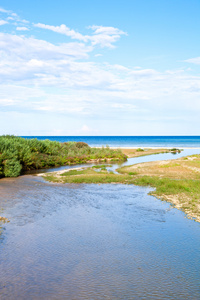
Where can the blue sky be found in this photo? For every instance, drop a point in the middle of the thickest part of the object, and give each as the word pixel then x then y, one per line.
pixel 100 67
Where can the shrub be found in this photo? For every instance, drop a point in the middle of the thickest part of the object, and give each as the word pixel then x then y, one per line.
pixel 18 154
pixel 139 150
pixel 12 168
pixel 81 145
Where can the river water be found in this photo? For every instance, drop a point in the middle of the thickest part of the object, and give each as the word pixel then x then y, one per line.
pixel 108 241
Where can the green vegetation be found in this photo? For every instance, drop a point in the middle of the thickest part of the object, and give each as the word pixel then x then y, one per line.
pixel 73 172
pixel 139 150
pixel 169 186
pixel 175 150
pixel 132 173
pixel 18 154
pixel 88 175
pixel 101 166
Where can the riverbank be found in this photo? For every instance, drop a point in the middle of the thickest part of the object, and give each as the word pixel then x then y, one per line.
pixel 175 181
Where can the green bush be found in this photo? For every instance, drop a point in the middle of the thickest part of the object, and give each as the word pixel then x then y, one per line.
pixel 139 150
pixel 35 154
pixel 12 168
pixel 81 145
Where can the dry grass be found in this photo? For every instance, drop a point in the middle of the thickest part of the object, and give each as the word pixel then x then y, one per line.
pixel 182 168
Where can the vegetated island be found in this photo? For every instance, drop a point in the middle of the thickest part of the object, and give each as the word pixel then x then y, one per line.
pixel 18 155
pixel 175 181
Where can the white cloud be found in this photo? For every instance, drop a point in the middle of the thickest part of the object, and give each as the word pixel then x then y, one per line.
pixel 106 30
pixel 22 28
pixel 120 68
pixel 20 48
pixel 14 15
pixel 11 16
pixel 2 22
pixel 48 78
pixel 25 21
pixel 4 10
pixel 8 12
pixel 63 29
pixel 103 36
pixel 195 60
pixel 98 55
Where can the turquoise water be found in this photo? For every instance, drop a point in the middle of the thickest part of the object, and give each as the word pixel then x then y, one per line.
pixel 67 241
pixel 129 141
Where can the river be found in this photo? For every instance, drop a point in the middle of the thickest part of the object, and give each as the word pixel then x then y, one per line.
pixel 108 241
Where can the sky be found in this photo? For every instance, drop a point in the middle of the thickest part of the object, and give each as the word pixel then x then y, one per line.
pixel 91 68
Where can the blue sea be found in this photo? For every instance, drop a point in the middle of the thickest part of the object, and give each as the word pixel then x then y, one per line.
pixel 128 141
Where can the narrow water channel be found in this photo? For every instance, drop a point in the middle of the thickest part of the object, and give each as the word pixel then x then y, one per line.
pixel 109 241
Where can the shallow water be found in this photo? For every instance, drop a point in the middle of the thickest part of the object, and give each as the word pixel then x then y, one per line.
pixel 94 242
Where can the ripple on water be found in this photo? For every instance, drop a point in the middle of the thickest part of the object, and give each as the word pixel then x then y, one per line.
pixel 94 242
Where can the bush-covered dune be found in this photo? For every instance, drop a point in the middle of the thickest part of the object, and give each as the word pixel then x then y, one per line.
pixel 18 154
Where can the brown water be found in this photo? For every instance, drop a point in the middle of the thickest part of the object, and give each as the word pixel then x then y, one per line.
pixel 94 242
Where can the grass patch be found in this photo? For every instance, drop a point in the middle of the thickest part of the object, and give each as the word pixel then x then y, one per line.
pixel 132 173
pixel 171 165
pixel 99 178
pixel 103 169
pixel 73 172
pixel 101 166
pixel 169 186
pixel 89 175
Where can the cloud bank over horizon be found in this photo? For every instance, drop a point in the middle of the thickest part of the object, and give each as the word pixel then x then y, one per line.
pixel 71 84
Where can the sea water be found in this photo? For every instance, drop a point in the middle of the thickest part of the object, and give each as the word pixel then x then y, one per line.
pixel 128 141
